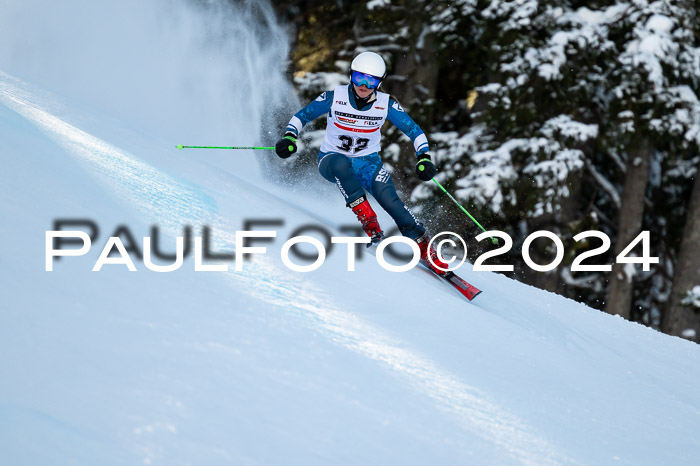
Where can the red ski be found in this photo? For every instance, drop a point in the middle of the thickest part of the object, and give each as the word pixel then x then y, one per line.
pixel 465 288
pixel 468 290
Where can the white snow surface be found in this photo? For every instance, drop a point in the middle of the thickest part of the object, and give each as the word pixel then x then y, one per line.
pixel 270 366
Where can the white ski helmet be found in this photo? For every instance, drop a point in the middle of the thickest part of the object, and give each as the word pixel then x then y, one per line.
pixel 369 63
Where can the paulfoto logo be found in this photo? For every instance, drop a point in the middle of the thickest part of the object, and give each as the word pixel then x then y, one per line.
pixel 115 252
pixel 77 237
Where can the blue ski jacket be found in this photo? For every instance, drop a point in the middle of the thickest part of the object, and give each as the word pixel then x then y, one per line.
pixel 396 114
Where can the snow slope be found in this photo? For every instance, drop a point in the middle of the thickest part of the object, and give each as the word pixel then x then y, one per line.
pixel 264 365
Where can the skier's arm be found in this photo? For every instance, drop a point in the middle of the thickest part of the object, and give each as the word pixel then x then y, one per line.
pixel 410 128
pixel 287 146
pixel 424 167
pixel 320 106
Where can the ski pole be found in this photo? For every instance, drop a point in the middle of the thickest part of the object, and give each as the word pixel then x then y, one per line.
pixel 493 240
pixel 180 146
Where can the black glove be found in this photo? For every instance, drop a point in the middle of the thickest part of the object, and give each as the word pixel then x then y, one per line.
pixel 286 146
pixel 425 168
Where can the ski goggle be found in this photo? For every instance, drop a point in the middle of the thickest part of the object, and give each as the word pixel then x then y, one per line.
pixel 362 79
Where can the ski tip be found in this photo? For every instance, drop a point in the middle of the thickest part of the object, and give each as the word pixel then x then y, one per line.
pixel 180 146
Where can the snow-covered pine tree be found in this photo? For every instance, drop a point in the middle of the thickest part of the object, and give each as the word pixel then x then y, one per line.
pixel 574 97
pixel 653 124
pixel 535 122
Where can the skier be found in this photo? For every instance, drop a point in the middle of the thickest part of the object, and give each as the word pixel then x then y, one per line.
pixel 349 153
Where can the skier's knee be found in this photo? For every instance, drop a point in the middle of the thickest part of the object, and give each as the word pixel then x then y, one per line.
pixel 339 164
pixel 334 166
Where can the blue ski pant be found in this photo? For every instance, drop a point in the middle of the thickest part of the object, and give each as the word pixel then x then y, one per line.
pixel 355 175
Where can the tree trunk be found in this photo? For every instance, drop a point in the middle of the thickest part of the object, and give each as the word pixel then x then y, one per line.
pixel 677 317
pixel 619 299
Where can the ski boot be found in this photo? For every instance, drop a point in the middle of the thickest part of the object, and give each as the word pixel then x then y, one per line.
pixel 430 257
pixel 368 219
